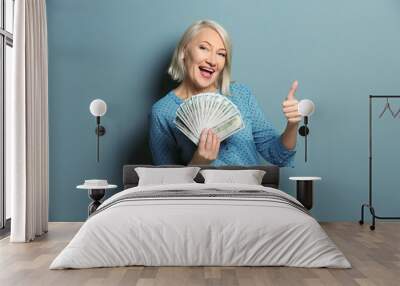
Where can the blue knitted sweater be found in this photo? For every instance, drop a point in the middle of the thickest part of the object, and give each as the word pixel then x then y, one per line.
pixel 169 145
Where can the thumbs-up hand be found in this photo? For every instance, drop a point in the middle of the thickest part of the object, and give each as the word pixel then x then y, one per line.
pixel 290 105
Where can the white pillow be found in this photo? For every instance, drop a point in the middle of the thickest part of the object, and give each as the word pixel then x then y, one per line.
pixel 163 176
pixel 249 177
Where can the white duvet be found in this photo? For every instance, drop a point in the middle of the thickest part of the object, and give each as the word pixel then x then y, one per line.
pixel 200 231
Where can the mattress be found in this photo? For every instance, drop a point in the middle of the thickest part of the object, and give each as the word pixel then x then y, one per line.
pixel 201 225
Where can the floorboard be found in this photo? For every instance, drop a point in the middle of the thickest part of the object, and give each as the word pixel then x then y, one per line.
pixel 374 255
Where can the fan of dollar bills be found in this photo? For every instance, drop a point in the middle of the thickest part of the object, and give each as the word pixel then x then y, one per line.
pixel 208 110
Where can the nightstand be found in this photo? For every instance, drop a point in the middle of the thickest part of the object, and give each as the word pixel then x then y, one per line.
pixel 96 191
pixel 304 190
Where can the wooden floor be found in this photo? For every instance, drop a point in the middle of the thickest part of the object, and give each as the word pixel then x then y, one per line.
pixel 374 255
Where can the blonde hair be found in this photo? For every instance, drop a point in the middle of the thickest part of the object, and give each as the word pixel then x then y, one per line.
pixel 177 68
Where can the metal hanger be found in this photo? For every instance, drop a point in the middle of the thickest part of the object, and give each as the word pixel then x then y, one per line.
pixel 387 106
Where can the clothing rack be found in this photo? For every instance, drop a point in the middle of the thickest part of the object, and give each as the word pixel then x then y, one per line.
pixel 369 204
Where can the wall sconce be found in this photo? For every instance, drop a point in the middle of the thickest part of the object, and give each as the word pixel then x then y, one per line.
pixel 305 107
pixel 98 108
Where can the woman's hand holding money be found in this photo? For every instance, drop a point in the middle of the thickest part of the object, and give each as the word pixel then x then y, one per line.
pixel 208 148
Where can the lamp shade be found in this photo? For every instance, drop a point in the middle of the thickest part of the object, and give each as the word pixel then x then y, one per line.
pixel 306 107
pixel 98 107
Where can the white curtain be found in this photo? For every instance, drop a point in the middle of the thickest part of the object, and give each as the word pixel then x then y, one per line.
pixel 27 124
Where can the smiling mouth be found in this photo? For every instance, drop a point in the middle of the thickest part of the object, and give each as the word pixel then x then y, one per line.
pixel 206 72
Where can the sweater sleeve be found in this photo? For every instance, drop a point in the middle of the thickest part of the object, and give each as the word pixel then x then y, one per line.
pixel 163 146
pixel 266 137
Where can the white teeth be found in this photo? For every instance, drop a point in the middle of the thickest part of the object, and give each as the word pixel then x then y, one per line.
pixel 207 69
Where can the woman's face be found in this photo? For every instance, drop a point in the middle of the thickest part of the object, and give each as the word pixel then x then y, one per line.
pixel 204 59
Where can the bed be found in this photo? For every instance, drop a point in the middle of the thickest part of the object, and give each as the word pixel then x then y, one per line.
pixel 198 224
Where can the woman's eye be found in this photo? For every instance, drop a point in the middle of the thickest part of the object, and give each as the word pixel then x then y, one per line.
pixel 223 55
pixel 203 48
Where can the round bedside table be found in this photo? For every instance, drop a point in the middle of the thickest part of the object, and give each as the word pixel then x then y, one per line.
pixel 96 193
pixel 304 190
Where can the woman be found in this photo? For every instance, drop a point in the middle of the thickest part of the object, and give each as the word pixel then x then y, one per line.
pixel 202 63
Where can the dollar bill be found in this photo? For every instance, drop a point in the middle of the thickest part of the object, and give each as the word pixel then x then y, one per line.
pixel 208 110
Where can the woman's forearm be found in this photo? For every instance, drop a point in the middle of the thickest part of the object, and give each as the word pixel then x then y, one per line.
pixel 289 136
pixel 199 161
pixel 195 161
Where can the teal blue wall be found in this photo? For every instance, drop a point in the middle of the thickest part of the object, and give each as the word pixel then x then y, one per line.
pixel 340 51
